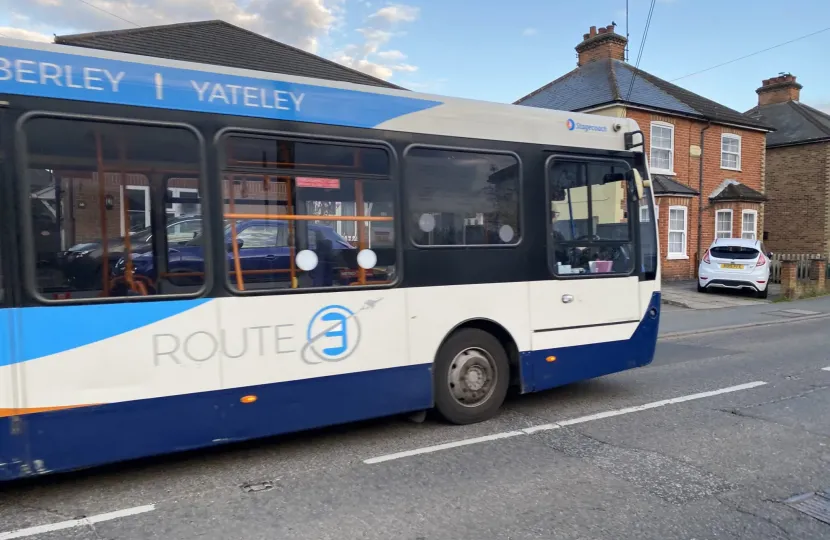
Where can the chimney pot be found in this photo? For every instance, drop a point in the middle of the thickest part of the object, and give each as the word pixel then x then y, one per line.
pixel 780 89
pixel 604 44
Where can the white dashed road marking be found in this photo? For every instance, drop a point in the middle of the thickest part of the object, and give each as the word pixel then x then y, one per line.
pixel 72 523
pixel 563 423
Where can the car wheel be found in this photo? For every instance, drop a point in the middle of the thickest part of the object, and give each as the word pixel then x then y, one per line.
pixel 471 377
pixel 763 294
pixel 701 288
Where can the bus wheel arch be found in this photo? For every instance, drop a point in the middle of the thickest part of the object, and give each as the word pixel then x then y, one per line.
pixel 473 369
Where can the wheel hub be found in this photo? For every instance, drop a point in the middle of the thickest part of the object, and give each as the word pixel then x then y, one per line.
pixel 472 377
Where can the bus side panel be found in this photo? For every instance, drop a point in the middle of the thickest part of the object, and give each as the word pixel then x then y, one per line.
pixel 90 373
pixel 13 459
pixel 434 312
pixel 601 351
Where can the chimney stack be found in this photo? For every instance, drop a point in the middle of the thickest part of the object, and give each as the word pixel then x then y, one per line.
pixel 779 89
pixel 601 45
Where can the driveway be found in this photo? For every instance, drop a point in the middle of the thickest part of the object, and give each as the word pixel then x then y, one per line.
pixel 684 294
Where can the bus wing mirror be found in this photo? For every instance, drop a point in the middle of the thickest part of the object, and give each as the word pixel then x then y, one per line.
pixel 634 176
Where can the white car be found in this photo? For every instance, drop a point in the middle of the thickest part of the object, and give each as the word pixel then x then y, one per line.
pixel 735 263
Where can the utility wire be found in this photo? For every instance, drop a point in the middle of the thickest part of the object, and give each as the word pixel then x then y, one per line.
pixel 642 47
pixel 753 54
pixel 110 13
pixel 639 57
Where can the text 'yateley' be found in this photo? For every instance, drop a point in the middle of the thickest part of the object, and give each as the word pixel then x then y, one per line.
pixel 248 96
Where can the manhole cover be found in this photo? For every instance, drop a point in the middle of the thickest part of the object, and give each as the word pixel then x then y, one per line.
pixel 816 505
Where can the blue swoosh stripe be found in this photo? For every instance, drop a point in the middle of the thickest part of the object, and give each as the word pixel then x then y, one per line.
pixel 50 330
pixel 63 75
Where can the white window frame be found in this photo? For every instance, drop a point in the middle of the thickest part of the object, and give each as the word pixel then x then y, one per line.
pixel 737 166
pixel 146 190
pixel 684 253
pixel 647 215
pixel 176 211
pixel 754 214
pixel 653 168
pixel 731 222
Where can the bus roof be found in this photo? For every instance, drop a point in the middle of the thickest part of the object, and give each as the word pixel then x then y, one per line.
pixel 65 72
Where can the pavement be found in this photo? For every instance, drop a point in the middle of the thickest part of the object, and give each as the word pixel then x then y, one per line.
pixel 683 293
pixel 713 440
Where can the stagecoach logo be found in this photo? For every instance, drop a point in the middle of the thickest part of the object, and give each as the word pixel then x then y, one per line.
pixel 333 333
pixel 584 127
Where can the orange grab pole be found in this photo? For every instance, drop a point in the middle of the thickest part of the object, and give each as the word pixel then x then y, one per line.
pixel 307 218
pixel 125 211
pixel 361 227
pixel 105 262
pixel 237 265
pixel 290 232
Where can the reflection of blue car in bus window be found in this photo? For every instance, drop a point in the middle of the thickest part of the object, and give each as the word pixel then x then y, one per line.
pixel 263 257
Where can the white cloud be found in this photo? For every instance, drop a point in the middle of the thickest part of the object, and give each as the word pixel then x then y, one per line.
pixel 302 23
pixel 529 32
pixel 396 13
pixel 371 56
pixel 20 33
pixel 392 55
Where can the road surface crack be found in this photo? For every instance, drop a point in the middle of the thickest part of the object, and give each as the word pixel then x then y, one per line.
pixel 765 519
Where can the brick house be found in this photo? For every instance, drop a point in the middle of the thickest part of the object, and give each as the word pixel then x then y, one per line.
pixel 213 42
pixel 706 160
pixel 797 171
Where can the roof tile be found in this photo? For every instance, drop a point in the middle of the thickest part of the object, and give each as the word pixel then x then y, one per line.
pixel 605 82
pixel 223 44
pixel 794 122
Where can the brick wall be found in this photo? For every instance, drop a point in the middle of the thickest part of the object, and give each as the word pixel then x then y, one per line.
pixel 798 185
pixel 686 169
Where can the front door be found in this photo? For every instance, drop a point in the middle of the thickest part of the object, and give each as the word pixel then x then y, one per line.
pixel 592 295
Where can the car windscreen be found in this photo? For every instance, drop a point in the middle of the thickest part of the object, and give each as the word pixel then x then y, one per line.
pixel 733 252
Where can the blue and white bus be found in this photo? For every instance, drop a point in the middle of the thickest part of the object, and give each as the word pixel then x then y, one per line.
pixel 194 254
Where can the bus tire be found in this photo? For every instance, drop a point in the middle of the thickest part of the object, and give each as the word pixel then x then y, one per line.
pixel 472 375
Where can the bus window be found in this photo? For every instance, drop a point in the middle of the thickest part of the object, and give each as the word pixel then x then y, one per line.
pixel 91 187
pixel 648 234
pixel 461 198
pixel 589 210
pixel 331 225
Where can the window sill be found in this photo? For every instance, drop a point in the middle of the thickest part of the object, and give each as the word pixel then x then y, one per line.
pixel 675 257
pixel 665 172
pixel 730 169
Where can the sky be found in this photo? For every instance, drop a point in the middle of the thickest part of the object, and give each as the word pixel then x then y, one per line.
pixel 495 50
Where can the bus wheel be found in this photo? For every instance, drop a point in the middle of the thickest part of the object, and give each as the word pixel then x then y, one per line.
pixel 472 375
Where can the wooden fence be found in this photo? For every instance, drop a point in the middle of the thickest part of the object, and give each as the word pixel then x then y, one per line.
pixel 802 268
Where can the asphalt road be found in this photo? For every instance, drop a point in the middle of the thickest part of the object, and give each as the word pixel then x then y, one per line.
pixel 718 463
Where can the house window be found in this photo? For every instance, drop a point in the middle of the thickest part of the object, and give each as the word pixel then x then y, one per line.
pixel 138 200
pixel 662 147
pixel 723 224
pixel 677 232
pixel 730 152
pixel 183 201
pixel 645 215
pixel 749 225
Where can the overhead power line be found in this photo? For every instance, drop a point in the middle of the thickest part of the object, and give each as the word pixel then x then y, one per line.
pixel 110 13
pixel 805 36
pixel 642 47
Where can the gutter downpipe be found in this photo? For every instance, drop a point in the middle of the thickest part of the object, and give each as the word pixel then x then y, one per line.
pixel 700 201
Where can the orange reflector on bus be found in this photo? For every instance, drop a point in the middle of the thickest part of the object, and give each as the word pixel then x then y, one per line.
pixel 247 399
pixel 551 359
